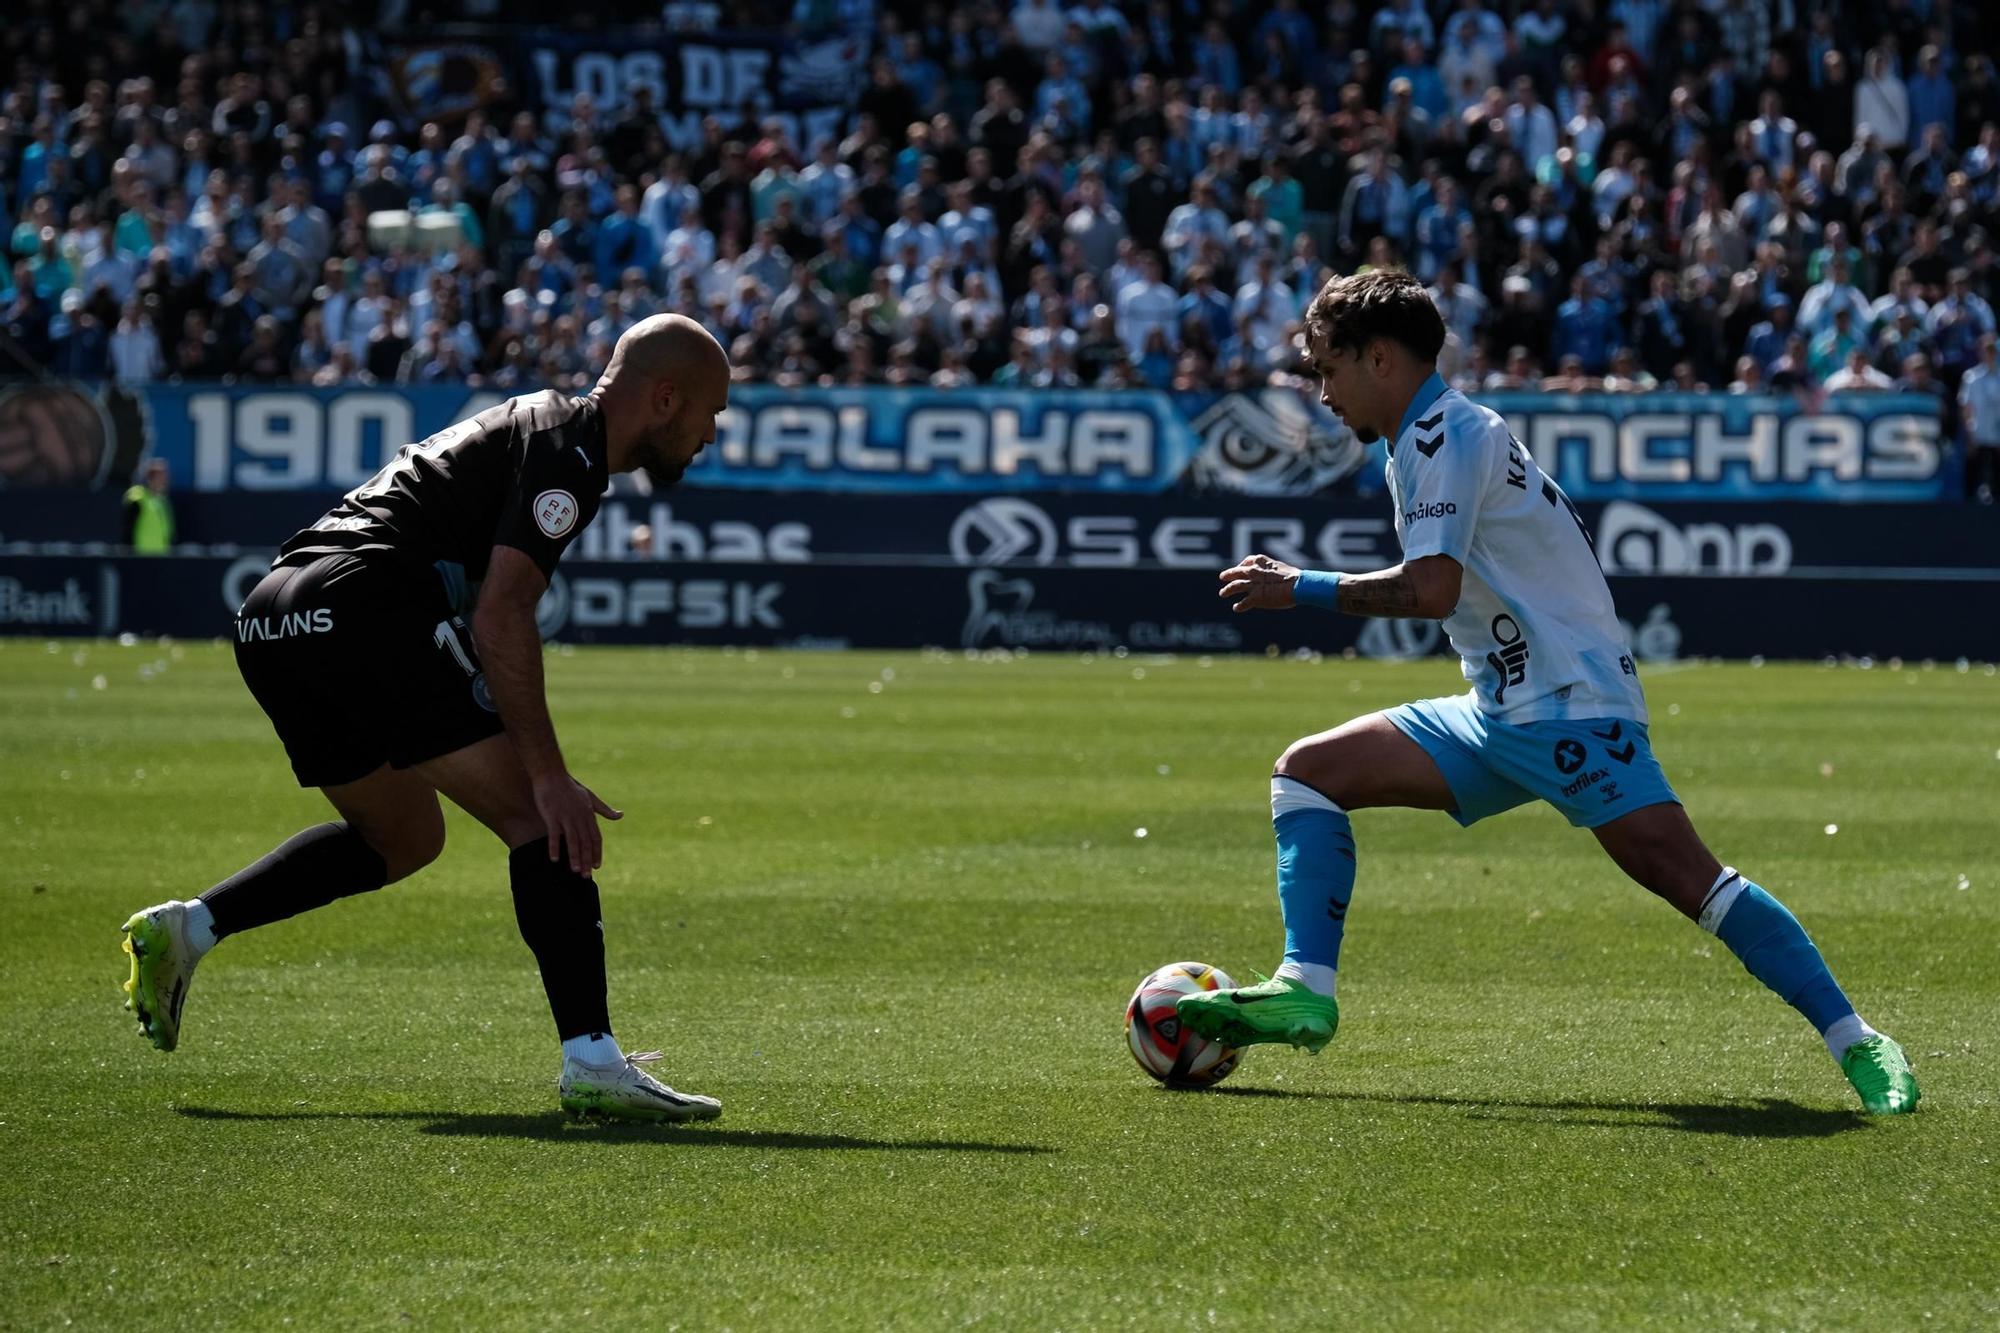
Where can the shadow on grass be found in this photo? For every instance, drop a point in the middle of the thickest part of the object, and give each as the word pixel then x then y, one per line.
pixel 1762 1118
pixel 555 1127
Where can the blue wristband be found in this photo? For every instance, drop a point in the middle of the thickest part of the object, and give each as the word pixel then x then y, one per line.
pixel 1318 587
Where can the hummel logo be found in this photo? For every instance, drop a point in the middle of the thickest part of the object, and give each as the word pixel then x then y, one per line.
pixel 1430 422
pixel 1429 447
pixel 1617 730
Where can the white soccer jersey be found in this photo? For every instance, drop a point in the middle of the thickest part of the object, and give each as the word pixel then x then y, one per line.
pixel 1534 628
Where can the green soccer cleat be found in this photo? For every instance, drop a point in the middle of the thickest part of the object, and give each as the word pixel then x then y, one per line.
pixel 162 966
pixel 1272 1010
pixel 626 1092
pixel 1881 1074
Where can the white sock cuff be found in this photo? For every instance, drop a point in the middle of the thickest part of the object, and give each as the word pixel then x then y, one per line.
pixel 1289 794
pixel 1844 1033
pixel 1315 977
pixel 200 926
pixel 1722 896
pixel 599 1050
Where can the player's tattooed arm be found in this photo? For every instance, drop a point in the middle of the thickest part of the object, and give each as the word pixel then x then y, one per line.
pixel 1425 588
pixel 1422 589
pixel 1386 592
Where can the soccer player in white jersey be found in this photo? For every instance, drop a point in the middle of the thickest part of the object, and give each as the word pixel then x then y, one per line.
pixel 1493 549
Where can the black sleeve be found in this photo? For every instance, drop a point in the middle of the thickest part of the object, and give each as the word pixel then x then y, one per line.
pixel 554 496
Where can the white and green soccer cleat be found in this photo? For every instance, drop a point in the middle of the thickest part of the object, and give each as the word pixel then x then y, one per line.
pixel 624 1091
pixel 1880 1073
pixel 163 963
pixel 1276 1009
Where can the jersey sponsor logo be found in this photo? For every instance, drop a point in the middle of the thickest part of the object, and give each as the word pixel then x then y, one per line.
pixel 257 629
pixel 1424 511
pixel 1570 756
pixel 555 513
pixel 1510 662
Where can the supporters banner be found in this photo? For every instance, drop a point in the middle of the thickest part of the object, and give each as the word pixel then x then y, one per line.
pixel 224 437
pixel 1687 446
pixel 1643 448
pixel 826 604
pixel 809 84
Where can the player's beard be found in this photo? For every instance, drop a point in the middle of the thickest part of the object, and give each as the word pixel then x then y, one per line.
pixel 661 465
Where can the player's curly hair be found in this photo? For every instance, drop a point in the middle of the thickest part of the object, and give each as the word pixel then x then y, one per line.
pixel 1351 312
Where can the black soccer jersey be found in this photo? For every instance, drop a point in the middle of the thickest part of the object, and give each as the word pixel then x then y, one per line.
pixel 528 473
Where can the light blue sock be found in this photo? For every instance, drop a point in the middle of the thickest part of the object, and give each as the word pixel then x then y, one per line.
pixel 1774 949
pixel 1315 880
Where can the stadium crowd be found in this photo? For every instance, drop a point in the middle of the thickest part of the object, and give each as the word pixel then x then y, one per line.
pixel 1745 194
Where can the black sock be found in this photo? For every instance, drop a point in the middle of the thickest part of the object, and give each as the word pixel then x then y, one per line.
pixel 561 921
pixel 315 867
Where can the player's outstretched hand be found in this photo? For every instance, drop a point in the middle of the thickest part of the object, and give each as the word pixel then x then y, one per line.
pixel 1259 583
pixel 569 812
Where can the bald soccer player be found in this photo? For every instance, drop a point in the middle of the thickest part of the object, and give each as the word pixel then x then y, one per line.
pixel 385 698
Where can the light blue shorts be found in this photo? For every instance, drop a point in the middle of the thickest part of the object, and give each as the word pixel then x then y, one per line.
pixel 1592 769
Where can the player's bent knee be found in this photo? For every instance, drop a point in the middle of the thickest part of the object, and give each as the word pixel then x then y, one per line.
pixel 408 845
pixel 1316 762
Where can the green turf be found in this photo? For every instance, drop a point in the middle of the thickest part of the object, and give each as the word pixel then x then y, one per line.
pixel 889 909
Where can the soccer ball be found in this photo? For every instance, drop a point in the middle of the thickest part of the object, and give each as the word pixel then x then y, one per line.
pixel 1165 1049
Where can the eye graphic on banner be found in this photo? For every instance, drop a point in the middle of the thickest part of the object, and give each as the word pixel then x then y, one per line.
pixel 1271 443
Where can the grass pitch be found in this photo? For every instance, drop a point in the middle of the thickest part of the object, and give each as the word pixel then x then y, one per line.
pixel 889 909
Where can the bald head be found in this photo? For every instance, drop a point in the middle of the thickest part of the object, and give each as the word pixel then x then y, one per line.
pixel 667 347
pixel 667 382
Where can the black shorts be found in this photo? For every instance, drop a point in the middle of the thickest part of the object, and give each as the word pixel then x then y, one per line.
pixel 360 662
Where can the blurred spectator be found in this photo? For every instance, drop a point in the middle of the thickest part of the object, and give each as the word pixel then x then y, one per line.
pixel 1857 376
pixel 135 352
pixel 228 194
pixel 1979 405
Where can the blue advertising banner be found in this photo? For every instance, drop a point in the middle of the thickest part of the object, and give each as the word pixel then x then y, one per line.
pixel 1653 447
pixel 1687 446
pixel 225 437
